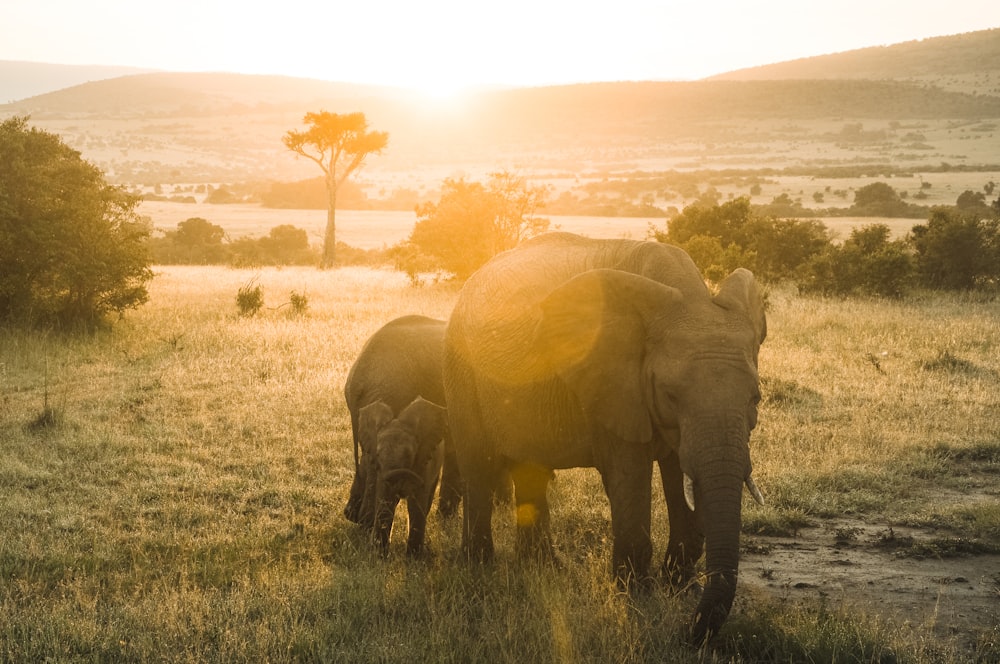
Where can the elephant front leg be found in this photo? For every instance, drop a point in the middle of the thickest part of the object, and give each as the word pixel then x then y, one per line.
pixel 534 538
pixel 627 472
pixel 417 507
pixel 384 516
pixel 352 511
pixel 687 541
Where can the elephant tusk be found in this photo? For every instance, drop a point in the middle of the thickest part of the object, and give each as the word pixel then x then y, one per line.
pixel 689 491
pixel 754 491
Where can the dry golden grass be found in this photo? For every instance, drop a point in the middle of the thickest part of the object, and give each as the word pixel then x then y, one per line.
pixel 172 489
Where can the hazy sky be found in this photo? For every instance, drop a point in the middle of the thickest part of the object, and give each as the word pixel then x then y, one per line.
pixel 446 44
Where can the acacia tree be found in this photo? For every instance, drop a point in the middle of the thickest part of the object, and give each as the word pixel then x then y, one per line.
pixel 339 145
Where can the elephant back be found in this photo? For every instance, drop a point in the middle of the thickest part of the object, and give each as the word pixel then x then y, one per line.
pixel 399 362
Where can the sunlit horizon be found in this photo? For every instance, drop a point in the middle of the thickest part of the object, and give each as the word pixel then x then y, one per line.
pixel 443 48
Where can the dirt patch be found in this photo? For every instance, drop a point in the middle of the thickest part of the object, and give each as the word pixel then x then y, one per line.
pixel 946 585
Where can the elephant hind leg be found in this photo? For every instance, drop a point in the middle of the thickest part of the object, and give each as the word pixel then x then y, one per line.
pixel 450 494
pixel 477 514
pixel 531 483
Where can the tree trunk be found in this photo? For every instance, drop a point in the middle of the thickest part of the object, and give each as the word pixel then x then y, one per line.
pixel 330 236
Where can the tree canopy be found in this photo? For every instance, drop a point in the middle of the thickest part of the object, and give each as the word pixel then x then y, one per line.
pixel 472 221
pixel 72 248
pixel 339 145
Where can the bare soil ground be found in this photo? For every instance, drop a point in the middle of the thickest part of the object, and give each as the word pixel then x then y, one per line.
pixel 933 581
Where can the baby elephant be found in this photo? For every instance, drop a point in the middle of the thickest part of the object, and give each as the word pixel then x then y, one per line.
pixel 409 453
pixel 400 362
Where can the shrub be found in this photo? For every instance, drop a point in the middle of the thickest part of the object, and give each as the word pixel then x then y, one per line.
pixel 299 303
pixel 250 298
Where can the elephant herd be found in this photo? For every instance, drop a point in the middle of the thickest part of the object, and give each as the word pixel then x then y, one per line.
pixel 570 352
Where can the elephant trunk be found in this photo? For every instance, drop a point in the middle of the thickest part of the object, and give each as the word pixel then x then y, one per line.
pixel 719 480
pixel 400 474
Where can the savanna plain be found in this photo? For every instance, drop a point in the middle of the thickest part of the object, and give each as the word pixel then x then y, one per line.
pixel 172 490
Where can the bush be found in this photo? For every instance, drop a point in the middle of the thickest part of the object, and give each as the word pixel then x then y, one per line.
pixel 250 298
pixel 72 248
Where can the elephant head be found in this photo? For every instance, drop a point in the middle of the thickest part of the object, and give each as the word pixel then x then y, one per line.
pixel 408 455
pixel 650 364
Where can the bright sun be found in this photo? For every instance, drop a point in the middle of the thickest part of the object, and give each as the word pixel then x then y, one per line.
pixel 441 92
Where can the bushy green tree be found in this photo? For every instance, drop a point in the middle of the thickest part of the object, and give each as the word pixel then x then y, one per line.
pixel 867 263
pixel 782 246
pixel 721 238
pixel 724 222
pixel 472 221
pixel 288 245
pixel 880 200
pixel 72 248
pixel 196 241
pixel 957 250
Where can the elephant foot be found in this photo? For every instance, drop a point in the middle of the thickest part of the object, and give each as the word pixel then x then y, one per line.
pixel 448 507
pixel 418 553
pixel 634 584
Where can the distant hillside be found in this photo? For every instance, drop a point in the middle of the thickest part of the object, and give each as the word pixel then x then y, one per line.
pixel 20 80
pixel 922 103
pixel 175 93
pixel 971 56
pixel 629 107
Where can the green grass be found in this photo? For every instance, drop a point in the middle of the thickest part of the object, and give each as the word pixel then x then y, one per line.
pixel 171 489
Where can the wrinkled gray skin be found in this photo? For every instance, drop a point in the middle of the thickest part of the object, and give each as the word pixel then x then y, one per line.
pixel 568 352
pixel 400 362
pixel 409 453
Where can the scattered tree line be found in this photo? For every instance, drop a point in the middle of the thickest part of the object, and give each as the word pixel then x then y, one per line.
pixel 73 249
pixel 958 248
pixel 198 241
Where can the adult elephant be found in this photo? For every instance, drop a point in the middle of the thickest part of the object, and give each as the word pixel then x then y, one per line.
pixel 399 362
pixel 568 352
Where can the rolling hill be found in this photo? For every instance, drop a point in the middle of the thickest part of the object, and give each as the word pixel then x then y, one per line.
pixel 19 80
pixel 970 62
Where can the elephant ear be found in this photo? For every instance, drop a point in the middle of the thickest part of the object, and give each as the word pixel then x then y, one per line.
pixel 740 293
pixel 371 419
pixel 592 334
pixel 429 423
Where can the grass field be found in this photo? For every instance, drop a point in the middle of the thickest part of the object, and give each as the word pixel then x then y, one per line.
pixel 171 490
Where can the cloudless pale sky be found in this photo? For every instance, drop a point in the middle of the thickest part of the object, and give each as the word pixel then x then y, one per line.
pixel 442 45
